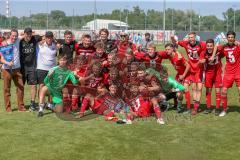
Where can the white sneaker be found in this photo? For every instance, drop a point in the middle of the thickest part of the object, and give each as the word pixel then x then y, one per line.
pixel 222 114
pixel 128 121
pixel 50 106
pixel 160 121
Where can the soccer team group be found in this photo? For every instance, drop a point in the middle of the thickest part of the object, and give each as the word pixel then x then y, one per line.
pixel 117 78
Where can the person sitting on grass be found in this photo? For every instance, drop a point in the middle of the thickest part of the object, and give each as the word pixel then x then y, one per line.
pixel 54 83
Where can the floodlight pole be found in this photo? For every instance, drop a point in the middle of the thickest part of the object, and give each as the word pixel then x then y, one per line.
pixel 164 20
pixel 190 28
pixel 95 12
pixel 47 15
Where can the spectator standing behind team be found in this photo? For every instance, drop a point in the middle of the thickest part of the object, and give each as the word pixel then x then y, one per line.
pixel 147 41
pixel 11 71
pixel 46 58
pixel 28 60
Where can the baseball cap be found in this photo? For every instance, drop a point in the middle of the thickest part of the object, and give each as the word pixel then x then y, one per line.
pixel 49 34
pixel 28 30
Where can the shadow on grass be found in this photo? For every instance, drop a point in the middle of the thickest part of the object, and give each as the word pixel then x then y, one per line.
pixel 71 117
pixel 234 108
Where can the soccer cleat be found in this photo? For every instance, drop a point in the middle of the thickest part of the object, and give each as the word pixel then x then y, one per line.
pixel 128 121
pixel 40 114
pixel 49 106
pixel 188 111
pixel 160 121
pixel 217 112
pixel 207 111
pixel 179 110
pixel 33 107
pixel 120 121
pixel 222 114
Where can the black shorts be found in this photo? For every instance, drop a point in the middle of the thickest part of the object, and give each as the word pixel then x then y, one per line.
pixel 41 74
pixel 171 95
pixel 31 77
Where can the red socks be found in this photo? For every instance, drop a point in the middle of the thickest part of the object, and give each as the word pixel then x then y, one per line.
pixel 74 102
pixel 188 99
pixel 224 102
pixel 157 111
pixel 67 104
pixel 84 106
pixel 196 105
pixel 208 99
pixel 218 100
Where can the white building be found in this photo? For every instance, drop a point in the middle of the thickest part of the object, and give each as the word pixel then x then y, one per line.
pixel 104 23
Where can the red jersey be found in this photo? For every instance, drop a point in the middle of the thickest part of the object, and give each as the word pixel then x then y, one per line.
pixel 82 71
pixel 232 54
pixel 81 50
pixel 139 105
pixel 123 46
pixel 214 65
pixel 1 40
pixel 153 62
pixel 195 53
pixel 178 61
pixel 99 58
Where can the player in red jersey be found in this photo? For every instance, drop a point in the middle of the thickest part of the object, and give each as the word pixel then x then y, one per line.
pixel 181 66
pixel 213 76
pixel 149 88
pixel 139 106
pixel 71 93
pixel 152 58
pixel 195 51
pixel 91 83
pixel 114 78
pixel 100 54
pixel 177 60
pixel 232 68
pixel 86 47
pixel 124 44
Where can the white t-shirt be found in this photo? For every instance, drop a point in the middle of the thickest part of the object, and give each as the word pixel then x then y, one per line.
pixel 16 56
pixel 46 56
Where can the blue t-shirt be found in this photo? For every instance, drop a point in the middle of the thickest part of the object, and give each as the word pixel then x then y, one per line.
pixel 7 52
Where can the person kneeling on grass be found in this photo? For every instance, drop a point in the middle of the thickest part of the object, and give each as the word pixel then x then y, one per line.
pixel 54 83
pixel 170 89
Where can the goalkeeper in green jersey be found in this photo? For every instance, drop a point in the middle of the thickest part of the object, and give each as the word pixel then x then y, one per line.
pixel 170 88
pixel 54 83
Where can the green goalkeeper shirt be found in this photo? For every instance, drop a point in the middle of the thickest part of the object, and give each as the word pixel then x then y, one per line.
pixel 171 83
pixel 56 80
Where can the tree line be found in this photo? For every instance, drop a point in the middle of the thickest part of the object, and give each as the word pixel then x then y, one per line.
pixel 137 18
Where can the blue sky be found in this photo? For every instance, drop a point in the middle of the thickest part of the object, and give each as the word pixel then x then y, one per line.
pixel 82 7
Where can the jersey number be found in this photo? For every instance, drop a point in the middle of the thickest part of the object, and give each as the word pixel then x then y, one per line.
pixel 231 57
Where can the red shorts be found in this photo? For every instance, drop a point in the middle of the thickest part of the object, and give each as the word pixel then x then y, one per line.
pixel 144 110
pixel 182 81
pixel 98 107
pixel 228 80
pixel 194 77
pixel 213 78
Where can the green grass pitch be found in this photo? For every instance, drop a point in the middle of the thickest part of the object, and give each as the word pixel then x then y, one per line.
pixel 23 136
